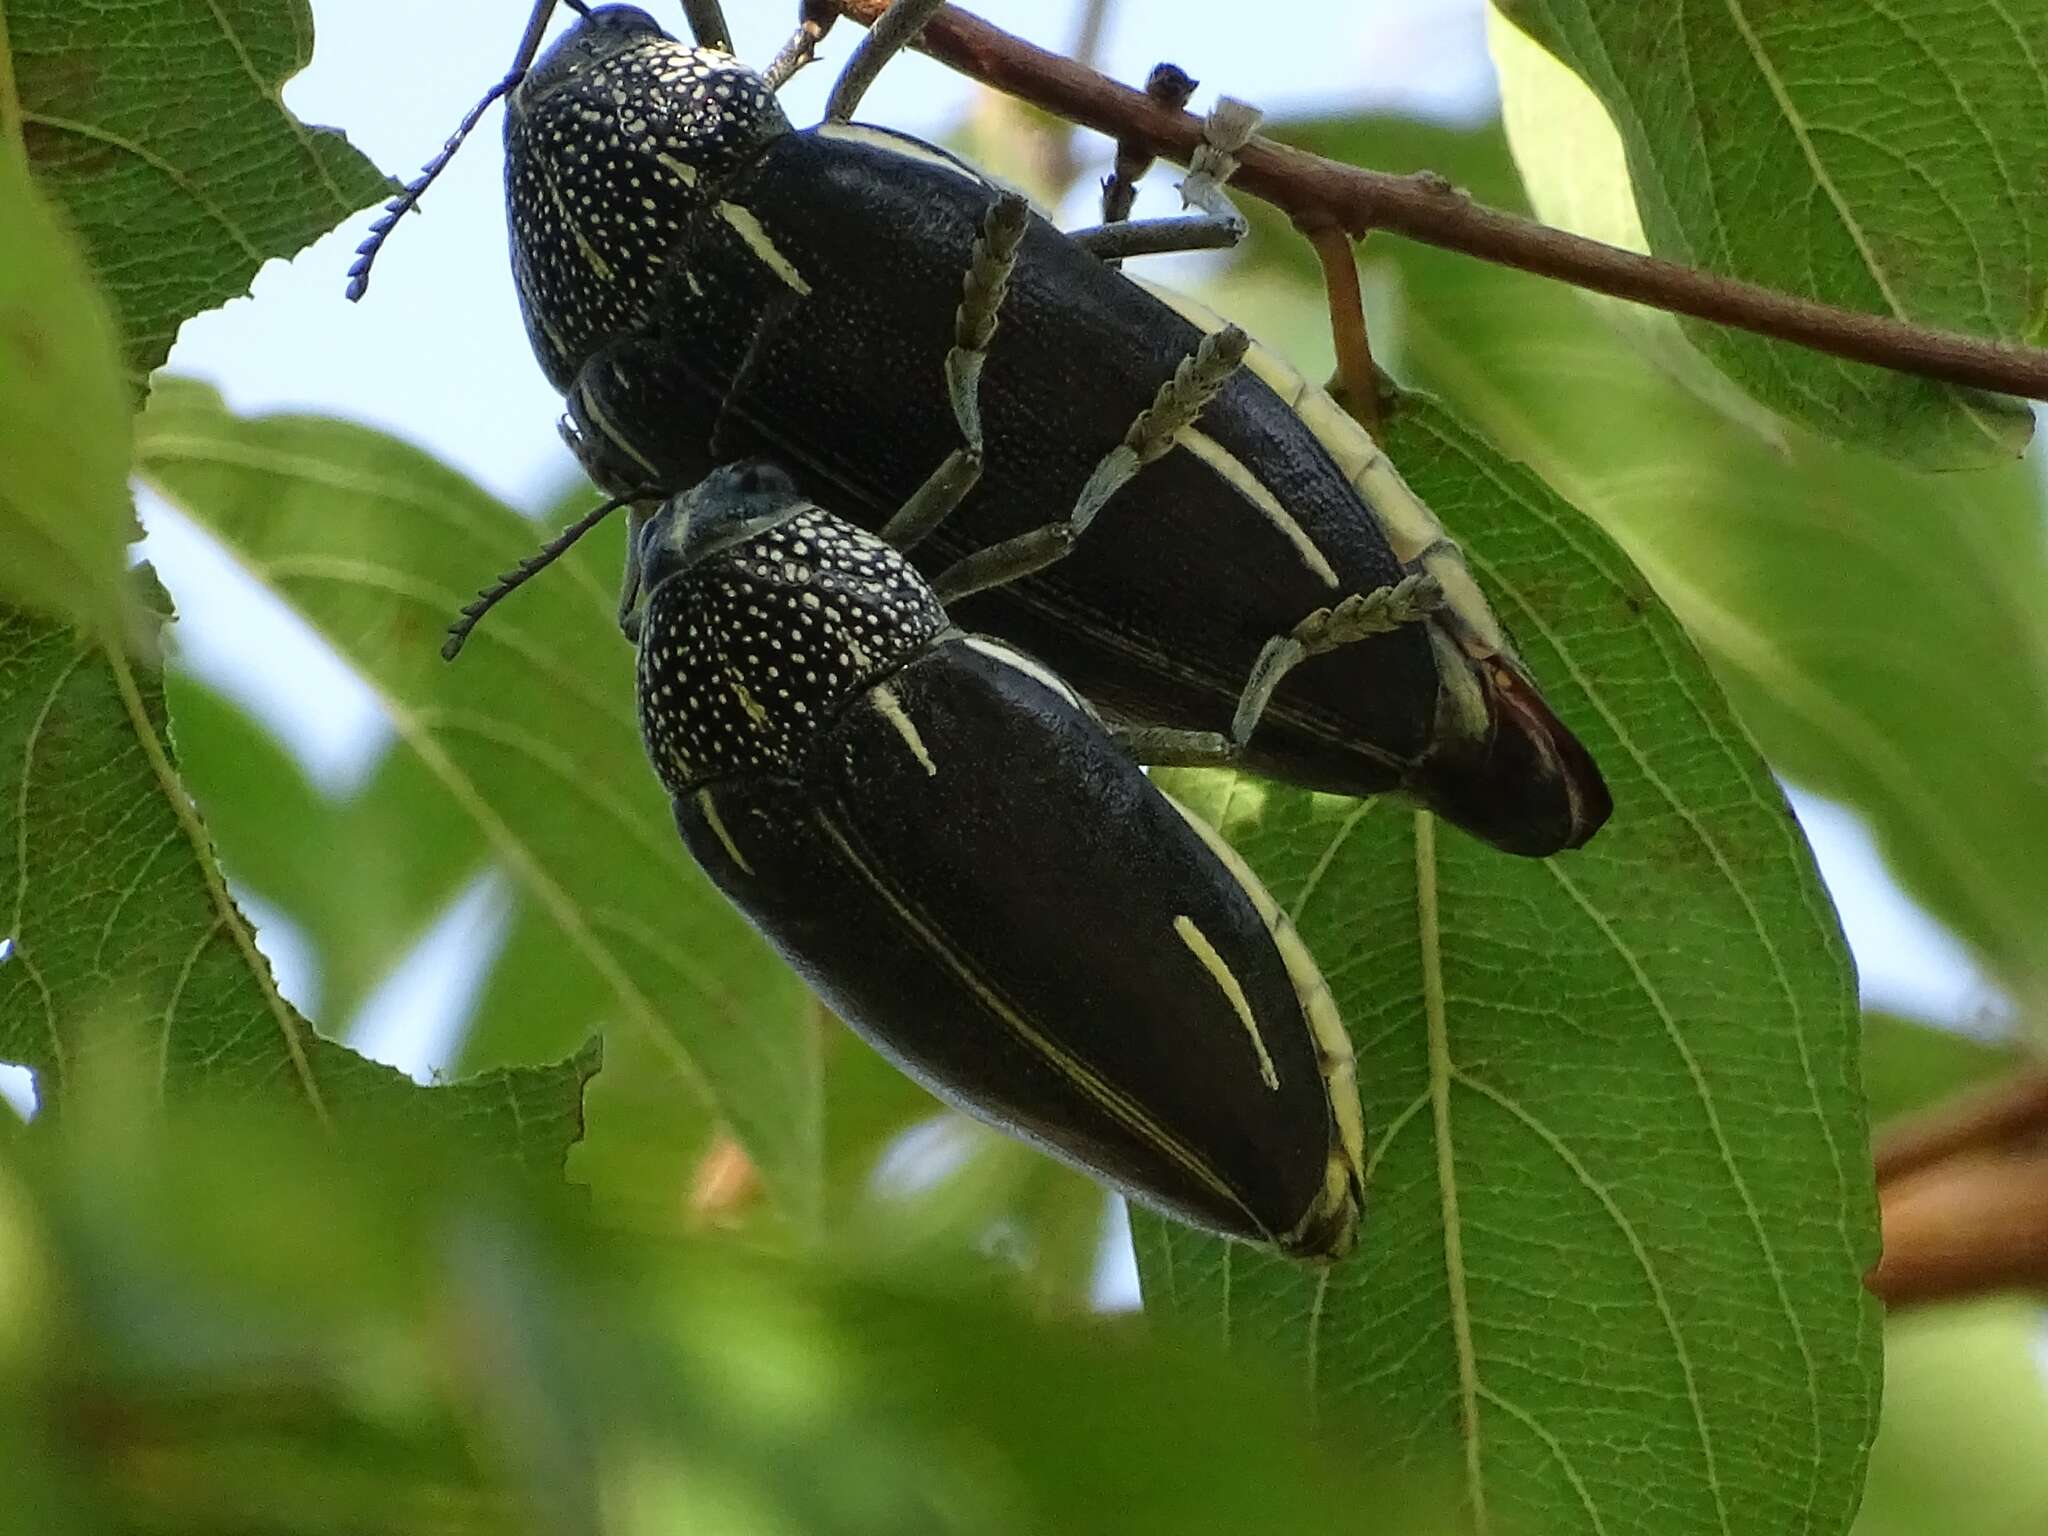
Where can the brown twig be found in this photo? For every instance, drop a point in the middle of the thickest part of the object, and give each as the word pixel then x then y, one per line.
pixel 1425 207
pixel 1060 163
pixel 1966 1226
pixel 2001 1117
pixel 1357 381
pixel 1965 1193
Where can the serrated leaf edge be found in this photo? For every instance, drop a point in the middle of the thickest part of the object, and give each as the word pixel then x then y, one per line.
pixel 227 914
pixel 412 727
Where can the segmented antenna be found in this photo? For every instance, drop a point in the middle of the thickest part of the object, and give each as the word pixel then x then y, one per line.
pixel 409 199
pixel 520 574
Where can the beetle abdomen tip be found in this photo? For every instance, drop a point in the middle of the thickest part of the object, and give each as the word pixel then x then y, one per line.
pixel 1532 788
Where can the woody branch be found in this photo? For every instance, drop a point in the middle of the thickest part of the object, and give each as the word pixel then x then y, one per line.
pixel 1324 194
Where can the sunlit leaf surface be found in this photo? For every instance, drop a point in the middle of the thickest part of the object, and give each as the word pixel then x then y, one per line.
pixel 158 125
pixel 1884 157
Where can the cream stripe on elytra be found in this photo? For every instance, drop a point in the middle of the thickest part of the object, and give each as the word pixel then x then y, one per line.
pixel 893 712
pixel 1339 1066
pixel 682 170
pixel 1226 979
pixel 901 145
pixel 1248 485
pixel 717 826
pixel 1113 1102
pixel 750 230
pixel 1018 661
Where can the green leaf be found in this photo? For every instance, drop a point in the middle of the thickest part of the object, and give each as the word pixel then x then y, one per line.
pixel 1884 634
pixel 117 918
pixel 1965 1417
pixel 530 738
pixel 244 1335
pixel 362 875
pixel 126 949
pixel 1885 158
pixel 1620 1201
pixel 159 126
pixel 1908 1065
pixel 532 1116
pixel 65 519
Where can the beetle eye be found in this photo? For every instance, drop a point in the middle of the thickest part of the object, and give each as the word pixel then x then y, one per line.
pixel 757 477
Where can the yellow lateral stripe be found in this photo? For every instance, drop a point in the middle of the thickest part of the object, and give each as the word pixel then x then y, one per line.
pixel 607 430
pixel 1227 981
pixel 1237 474
pixel 711 820
pixel 1116 1104
pixel 1017 661
pixel 1411 527
pixel 750 230
pixel 893 712
pixel 682 170
pixel 898 144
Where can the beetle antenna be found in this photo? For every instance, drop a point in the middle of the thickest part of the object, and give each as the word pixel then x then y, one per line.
pixel 520 574
pixel 409 199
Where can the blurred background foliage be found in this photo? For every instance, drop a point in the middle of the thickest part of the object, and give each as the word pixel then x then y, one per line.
pixel 251 1281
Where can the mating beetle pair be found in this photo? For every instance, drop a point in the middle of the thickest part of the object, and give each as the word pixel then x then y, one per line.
pixel 704 283
pixel 948 843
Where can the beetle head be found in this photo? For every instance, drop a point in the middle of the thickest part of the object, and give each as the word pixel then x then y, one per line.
pixel 617 135
pixel 727 507
pixel 617 97
pixel 600 36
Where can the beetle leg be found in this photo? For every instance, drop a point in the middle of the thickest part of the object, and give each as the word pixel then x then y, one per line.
pixel 974 325
pixel 1217 225
pixel 629 586
pixel 895 31
pixel 802 48
pixel 1363 614
pixel 1180 400
pixel 1357 617
pixel 1162 746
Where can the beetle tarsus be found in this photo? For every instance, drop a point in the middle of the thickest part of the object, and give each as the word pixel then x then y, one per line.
pixel 1216 226
pixel 983 290
pixel 1358 617
pixel 1181 399
pixel 802 48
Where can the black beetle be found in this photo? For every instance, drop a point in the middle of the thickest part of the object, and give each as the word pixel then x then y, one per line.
pixel 941 837
pixel 704 282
